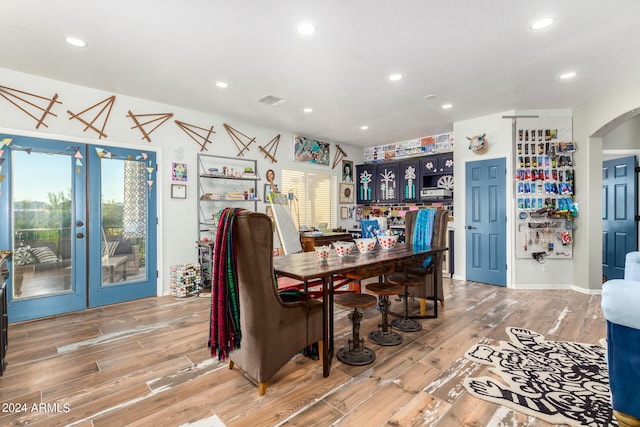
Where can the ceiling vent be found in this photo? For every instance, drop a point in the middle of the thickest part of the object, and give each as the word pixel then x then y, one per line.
pixel 274 101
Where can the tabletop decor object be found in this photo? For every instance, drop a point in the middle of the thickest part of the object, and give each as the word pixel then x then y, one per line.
pixel 322 251
pixel 365 245
pixel 388 241
pixel 343 248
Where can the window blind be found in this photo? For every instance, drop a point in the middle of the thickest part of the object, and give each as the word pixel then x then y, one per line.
pixel 314 197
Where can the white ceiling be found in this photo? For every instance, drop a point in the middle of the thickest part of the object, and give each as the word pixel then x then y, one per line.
pixel 480 56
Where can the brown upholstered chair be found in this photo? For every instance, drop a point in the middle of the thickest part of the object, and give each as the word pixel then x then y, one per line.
pixel 273 331
pixel 435 269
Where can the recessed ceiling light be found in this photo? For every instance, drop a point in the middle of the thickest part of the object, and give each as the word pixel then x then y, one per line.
pixel 364 127
pixel 222 85
pixel 430 96
pixel 395 77
pixel 74 41
pixel 306 28
pixel 569 75
pixel 308 110
pixel 446 106
pixel 541 23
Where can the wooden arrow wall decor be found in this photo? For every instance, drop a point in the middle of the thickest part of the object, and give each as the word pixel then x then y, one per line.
pixel 107 105
pixel 270 148
pixel 160 118
pixel 21 100
pixel 235 137
pixel 340 154
pixel 192 131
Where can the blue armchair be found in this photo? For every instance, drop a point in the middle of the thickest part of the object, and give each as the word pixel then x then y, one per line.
pixel 621 308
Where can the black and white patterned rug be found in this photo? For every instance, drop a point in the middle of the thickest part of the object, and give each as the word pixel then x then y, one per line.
pixel 559 382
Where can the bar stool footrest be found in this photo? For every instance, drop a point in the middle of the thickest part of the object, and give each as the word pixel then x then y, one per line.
pixel 388 338
pixel 406 325
pixel 360 357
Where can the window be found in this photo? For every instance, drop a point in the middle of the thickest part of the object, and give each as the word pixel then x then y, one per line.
pixel 314 197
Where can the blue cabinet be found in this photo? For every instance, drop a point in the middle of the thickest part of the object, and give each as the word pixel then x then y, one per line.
pixel 365 184
pixel 387 185
pixel 410 180
pixel 377 183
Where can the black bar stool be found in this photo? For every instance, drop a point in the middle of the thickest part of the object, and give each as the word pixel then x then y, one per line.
pixel 355 352
pixel 405 280
pixel 384 335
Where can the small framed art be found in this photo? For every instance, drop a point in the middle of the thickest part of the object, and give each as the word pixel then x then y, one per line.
pixel 178 171
pixel 178 191
pixel 347 171
pixel 346 194
pixel 344 212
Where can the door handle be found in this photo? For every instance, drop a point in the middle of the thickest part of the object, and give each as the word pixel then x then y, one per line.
pixel 470 227
pixel 79 235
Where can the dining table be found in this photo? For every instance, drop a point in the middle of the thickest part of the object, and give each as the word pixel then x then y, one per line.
pixel 307 266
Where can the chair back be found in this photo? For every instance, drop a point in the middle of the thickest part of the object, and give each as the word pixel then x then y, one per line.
pixel 440 220
pixel 272 330
pixel 369 228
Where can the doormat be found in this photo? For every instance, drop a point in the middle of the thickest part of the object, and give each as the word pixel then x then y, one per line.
pixel 559 382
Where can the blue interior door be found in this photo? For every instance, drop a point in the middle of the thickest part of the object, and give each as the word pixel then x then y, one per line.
pixel 122 225
pixel 619 201
pixel 43 221
pixel 486 229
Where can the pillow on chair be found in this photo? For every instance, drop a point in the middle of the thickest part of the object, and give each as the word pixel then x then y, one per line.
pixel 44 255
pixel 24 256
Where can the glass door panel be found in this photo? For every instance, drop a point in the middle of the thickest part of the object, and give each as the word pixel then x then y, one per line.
pixel 122 186
pixel 45 220
pixel 124 221
pixel 42 225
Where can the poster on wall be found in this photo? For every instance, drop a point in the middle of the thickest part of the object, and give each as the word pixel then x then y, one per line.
pixel 178 171
pixel 310 150
pixel 347 171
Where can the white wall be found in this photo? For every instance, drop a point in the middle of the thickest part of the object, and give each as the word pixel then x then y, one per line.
pixel 588 119
pixel 177 231
pixel 592 122
pixel 626 136
pixel 521 273
pixel 499 138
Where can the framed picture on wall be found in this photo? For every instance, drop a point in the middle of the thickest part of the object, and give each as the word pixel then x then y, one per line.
pixel 346 194
pixel 310 150
pixel 347 171
pixel 178 171
pixel 178 191
pixel 344 212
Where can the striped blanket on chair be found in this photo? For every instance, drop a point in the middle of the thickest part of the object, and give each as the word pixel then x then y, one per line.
pixel 224 332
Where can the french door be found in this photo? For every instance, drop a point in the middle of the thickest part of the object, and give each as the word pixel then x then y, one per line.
pixel 81 223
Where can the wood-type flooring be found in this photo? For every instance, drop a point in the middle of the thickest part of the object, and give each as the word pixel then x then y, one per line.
pixel 146 363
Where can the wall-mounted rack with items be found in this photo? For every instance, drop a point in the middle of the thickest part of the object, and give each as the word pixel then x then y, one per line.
pixel 224 182
pixel 545 189
pixel 441 143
